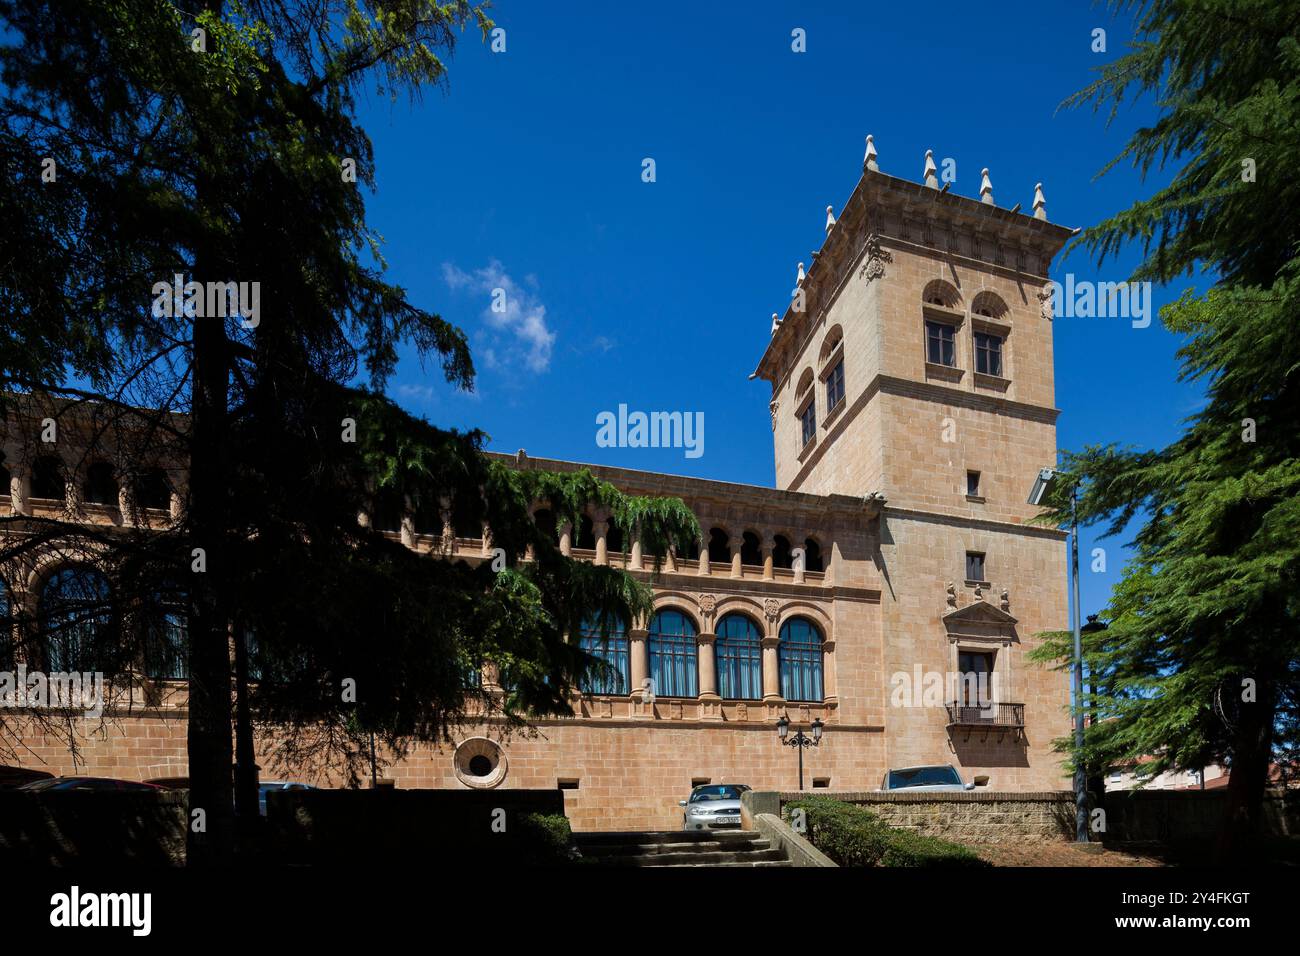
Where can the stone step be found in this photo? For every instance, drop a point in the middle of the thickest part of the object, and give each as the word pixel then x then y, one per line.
pixel 698 846
pixel 594 837
pixel 695 858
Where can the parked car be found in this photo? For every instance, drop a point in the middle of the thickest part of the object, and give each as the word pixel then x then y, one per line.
pixel 266 786
pixel 713 806
pixel 936 778
pixel 88 783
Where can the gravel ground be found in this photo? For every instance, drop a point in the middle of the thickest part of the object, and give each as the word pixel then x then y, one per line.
pixel 1061 854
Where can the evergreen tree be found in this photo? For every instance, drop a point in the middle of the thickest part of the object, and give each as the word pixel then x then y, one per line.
pixel 1201 660
pixel 215 142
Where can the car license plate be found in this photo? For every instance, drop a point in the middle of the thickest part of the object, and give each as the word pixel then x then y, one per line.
pixel 726 819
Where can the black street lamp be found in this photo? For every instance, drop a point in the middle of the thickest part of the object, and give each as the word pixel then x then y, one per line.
pixel 800 740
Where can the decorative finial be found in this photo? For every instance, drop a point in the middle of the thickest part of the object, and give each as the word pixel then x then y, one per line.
pixel 869 160
pixel 931 179
pixel 798 279
pixel 1040 204
pixel 986 187
pixel 830 220
pixel 776 323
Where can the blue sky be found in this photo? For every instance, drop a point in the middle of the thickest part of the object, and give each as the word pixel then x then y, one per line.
pixel 526 175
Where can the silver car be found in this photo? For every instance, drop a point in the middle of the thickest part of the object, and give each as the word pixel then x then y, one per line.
pixel 713 806
pixel 938 778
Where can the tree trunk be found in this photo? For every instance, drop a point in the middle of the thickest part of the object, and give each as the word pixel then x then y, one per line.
pixel 1251 754
pixel 248 815
pixel 209 703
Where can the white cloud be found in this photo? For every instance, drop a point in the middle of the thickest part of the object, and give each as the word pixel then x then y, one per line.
pixel 516 327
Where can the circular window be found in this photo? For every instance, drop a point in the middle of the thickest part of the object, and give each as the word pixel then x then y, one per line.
pixel 480 763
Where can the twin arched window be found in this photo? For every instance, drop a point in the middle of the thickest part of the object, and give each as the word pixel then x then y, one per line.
pixel 800 656
pixel 609 645
pixel 674 659
pixel 739 652
pixel 78 621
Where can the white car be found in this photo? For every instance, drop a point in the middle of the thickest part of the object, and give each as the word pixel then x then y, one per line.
pixel 713 806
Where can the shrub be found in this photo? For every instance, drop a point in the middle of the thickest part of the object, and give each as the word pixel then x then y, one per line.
pixel 545 839
pixel 852 835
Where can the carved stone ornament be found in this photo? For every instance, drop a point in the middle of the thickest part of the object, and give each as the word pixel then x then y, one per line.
pixel 1045 302
pixel 774 406
pixel 708 603
pixel 877 259
pixel 772 608
pixel 952 594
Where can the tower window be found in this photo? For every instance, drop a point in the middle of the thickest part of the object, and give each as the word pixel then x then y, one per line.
pixel 808 422
pixel 988 353
pixel 835 386
pixel 973 483
pixel 940 344
pixel 974 566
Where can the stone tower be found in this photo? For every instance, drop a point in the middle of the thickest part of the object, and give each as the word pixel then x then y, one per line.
pixel 913 368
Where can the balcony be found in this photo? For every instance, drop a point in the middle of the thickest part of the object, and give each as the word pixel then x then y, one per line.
pixel 990 718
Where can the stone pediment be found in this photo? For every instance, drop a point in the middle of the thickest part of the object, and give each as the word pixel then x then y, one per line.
pixel 980 621
pixel 979 612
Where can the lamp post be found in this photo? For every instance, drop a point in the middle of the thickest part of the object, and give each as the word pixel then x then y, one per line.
pixel 800 740
pixel 1047 478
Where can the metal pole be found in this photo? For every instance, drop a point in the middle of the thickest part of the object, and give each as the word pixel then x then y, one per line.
pixel 799 747
pixel 1080 777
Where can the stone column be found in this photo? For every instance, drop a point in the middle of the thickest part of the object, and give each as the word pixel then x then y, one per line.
pixel 600 528
pixel 710 702
pixel 704 555
pixel 735 563
pixel 20 490
pixel 126 504
pixel 634 562
pixel 486 550
pixel 448 529
pixel 638 659
pixel 407 526
pixel 799 564
pixel 771 671
pixel 566 538
pixel 670 559
pixel 769 556
pixel 830 685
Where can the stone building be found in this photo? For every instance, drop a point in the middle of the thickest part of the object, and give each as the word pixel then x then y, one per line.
pixel 912 406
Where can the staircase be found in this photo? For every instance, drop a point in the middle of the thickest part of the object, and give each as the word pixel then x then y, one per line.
pixel 679 848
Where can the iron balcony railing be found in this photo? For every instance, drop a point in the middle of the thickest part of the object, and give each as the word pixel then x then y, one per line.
pixel 1009 716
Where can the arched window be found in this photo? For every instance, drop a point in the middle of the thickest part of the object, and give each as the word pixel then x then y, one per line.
pixel 781 552
pixel 47 479
pixel 719 547
pixel 153 490
pixel 611 673
pixel 586 534
pixel 740 658
pixel 101 485
pixel 812 556
pixel 805 408
pixel 77 621
pixel 800 654
pixel 613 537
pixel 674 660
pixel 544 518
pixel 428 516
pixel 387 511
pixel 751 551
pixel 166 635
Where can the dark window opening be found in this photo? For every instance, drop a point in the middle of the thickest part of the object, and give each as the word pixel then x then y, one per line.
pixel 974 566
pixel 480 766
pixel 975 668
pixel 808 422
pixel 5 477
pixel 101 486
pixel 821 783
pixel 613 536
pixel 586 534
pixel 940 344
pixel 152 490
pixel 835 386
pixel 567 783
pixel 719 547
pixel 47 479
pixel 751 551
pixel 781 556
pixel 388 512
pixel 544 518
pixel 812 556
pixel 467 517
pixel 973 483
pixel 988 354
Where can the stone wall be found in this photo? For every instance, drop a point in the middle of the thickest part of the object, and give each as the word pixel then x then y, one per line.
pixel 971 817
